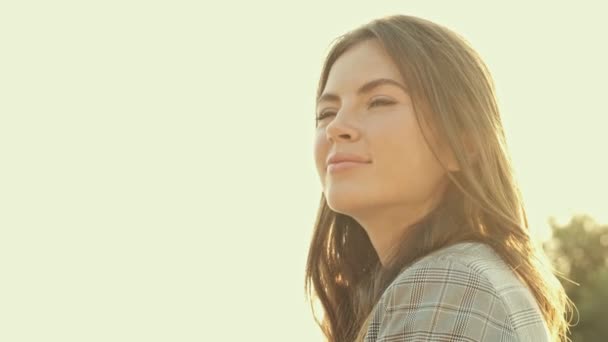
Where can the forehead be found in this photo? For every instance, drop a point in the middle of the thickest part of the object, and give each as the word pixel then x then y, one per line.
pixel 362 62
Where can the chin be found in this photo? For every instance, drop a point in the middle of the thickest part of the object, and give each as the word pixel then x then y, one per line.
pixel 346 204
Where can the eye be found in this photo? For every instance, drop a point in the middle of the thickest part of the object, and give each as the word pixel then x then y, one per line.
pixel 325 114
pixel 375 103
pixel 381 102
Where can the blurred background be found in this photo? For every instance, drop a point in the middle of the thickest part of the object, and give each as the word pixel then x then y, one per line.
pixel 156 173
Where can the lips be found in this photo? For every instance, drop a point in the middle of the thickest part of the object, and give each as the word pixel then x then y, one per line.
pixel 346 158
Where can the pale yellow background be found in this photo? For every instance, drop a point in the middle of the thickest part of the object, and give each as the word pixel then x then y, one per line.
pixel 156 172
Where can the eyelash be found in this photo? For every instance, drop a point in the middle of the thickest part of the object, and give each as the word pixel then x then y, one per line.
pixel 374 103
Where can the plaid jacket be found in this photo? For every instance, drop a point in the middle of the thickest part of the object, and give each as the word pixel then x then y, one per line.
pixel 464 292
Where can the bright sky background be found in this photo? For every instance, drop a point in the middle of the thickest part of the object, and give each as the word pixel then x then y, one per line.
pixel 156 172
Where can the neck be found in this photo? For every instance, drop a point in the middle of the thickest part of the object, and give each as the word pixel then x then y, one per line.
pixel 386 227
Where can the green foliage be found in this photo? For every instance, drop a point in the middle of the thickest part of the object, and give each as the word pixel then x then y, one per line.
pixel 579 249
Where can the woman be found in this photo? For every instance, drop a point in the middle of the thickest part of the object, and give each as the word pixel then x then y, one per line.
pixel 421 233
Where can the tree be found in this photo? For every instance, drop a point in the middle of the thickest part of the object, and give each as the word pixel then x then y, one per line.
pixel 579 249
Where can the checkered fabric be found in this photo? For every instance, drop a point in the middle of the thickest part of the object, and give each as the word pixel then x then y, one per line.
pixel 464 292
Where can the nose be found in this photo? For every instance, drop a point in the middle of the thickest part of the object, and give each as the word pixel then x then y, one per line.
pixel 340 130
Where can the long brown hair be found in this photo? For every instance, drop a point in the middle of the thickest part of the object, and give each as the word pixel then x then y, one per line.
pixel 451 88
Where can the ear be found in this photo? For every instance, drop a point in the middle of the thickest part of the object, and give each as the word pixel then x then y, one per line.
pixel 469 148
pixel 450 159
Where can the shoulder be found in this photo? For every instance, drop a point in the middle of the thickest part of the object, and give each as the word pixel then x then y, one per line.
pixel 462 291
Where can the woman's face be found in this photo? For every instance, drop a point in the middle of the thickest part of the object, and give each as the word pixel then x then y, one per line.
pixel 365 111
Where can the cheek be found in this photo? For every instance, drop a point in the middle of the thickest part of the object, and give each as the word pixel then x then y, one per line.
pixel 407 164
pixel 321 149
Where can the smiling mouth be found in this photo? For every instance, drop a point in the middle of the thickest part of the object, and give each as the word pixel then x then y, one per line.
pixel 343 166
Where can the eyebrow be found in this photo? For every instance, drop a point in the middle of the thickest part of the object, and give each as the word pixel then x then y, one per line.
pixel 366 88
